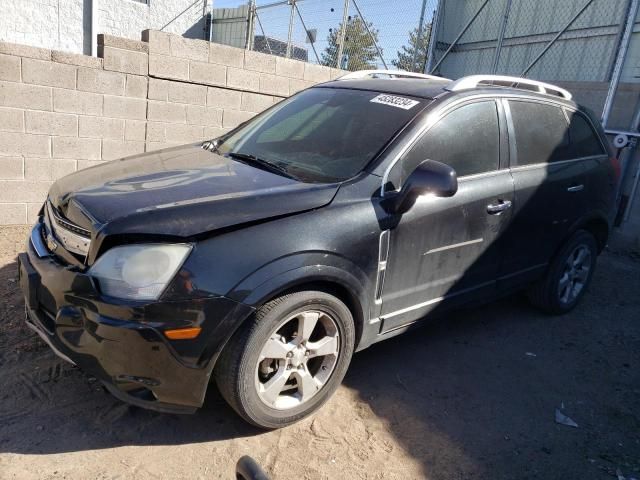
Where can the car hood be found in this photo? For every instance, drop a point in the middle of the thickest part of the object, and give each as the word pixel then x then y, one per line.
pixel 182 191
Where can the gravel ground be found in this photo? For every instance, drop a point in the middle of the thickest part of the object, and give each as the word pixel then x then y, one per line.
pixel 469 397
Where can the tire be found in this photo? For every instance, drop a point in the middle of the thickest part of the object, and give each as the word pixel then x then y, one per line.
pixel 548 294
pixel 255 356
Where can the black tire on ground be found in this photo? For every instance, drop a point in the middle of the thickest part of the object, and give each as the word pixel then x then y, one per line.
pixel 545 293
pixel 235 371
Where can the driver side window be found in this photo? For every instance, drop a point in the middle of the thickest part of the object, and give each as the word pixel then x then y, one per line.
pixel 466 139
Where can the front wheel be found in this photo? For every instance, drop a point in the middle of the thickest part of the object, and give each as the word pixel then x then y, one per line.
pixel 285 363
pixel 569 274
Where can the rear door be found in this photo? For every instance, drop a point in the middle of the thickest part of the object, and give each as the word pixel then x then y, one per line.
pixel 600 177
pixel 550 185
pixel 445 250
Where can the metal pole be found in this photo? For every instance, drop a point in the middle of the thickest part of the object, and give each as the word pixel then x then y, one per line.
pixel 419 35
pixel 264 35
pixel 307 32
pixel 211 22
pixel 631 150
pixel 462 32
pixel 433 36
pixel 342 33
pixel 251 25
pixel 503 29
pixel 205 4
pixel 628 133
pixel 617 69
pixel 211 27
pixel 554 39
pixel 632 195
pixel 373 39
pixel 274 4
pixel 291 19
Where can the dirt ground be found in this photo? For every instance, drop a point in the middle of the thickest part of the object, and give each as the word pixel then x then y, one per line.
pixel 472 396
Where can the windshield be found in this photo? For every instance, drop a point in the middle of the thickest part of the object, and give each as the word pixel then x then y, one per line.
pixel 322 134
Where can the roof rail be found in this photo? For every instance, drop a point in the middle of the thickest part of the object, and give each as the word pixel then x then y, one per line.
pixel 474 81
pixel 388 73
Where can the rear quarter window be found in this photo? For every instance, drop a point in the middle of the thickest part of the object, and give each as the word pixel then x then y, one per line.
pixel 583 140
pixel 541 132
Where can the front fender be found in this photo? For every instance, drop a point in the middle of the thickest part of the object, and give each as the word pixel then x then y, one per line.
pixel 287 272
pixel 302 269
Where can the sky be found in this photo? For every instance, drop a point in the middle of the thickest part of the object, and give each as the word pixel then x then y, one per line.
pixel 393 19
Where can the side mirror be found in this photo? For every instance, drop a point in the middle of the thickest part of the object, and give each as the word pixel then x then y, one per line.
pixel 431 177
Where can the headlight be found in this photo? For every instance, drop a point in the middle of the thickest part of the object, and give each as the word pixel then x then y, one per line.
pixel 138 272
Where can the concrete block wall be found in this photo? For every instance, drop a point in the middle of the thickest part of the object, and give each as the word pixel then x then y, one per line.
pixel 62 112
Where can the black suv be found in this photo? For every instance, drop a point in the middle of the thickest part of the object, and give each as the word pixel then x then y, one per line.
pixel 339 217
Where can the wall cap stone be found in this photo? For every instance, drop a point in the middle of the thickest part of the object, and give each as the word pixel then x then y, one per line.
pixel 20 50
pixel 105 40
pixel 76 59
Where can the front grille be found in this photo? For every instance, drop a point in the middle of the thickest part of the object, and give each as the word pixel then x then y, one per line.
pixel 70 226
pixel 71 237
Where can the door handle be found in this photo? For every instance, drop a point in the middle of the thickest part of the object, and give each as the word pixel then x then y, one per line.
pixel 575 188
pixel 498 208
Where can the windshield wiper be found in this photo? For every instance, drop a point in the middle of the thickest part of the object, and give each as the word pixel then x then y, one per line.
pixel 262 163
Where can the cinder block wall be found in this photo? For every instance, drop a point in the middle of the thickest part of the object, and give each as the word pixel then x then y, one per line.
pixel 61 112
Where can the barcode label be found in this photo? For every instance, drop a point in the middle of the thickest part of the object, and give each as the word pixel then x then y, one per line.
pixel 395 101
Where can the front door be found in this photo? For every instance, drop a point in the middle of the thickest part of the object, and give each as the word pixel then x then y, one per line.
pixel 445 250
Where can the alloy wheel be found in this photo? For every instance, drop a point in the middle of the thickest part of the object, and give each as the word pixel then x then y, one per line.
pixel 297 360
pixel 575 274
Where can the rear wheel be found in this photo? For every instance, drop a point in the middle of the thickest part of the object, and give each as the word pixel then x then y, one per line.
pixel 568 276
pixel 286 363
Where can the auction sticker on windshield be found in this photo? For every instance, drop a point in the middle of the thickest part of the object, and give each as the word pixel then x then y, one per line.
pixel 395 101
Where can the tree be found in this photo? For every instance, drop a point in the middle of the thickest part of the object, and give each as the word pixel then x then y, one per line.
pixel 413 56
pixel 359 51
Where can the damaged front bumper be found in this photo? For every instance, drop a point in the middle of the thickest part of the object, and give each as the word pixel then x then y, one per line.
pixel 122 344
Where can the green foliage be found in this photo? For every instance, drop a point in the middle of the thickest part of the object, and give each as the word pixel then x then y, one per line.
pixel 359 49
pixel 413 56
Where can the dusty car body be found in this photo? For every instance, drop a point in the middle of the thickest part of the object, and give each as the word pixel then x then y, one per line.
pixel 449 199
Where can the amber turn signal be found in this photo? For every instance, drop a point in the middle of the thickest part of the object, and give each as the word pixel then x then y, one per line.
pixel 183 333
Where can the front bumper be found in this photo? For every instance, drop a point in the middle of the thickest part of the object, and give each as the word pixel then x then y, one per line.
pixel 122 344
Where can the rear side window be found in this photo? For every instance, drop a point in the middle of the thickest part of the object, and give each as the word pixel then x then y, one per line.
pixel 541 131
pixel 467 139
pixel 583 139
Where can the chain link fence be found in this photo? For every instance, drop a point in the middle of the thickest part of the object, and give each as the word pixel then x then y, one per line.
pixel 348 34
pixel 574 43
pixel 574 40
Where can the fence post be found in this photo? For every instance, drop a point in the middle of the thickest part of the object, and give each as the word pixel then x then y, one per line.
pixel 419 34
pixel 503 29
pixel 433 36
pixel 251 24
pixel 342 32
pixel 620 57
pixel 291 20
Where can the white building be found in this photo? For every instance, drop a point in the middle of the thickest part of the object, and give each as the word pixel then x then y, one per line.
pixel 66 24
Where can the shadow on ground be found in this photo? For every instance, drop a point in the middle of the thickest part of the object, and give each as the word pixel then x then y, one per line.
pixel 488 381
pixel 470 397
